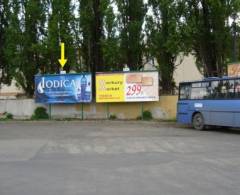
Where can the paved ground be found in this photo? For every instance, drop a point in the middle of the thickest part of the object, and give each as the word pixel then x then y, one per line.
pixel 116 158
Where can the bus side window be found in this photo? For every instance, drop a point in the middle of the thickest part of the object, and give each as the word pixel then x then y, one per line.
pixel 215 90
pixel 209 93
pixel 226 89
pixel 237 89
pixel 184 91
pixel 230 88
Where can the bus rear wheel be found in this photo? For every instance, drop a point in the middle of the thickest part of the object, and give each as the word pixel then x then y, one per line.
pixel 198 121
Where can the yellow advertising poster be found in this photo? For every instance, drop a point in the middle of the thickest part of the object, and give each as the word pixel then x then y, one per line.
pixel 109 87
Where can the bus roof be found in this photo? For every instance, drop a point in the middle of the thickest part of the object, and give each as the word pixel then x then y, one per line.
pixel 211 79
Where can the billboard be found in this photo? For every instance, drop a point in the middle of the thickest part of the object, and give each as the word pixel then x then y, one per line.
pixel 127 87
pixel 234 70
pixel 63 88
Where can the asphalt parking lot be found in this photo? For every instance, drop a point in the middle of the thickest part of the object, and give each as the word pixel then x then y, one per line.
pixel 117 158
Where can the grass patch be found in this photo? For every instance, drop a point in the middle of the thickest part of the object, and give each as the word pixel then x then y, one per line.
pixel 40 113
pixel 6 116
pixel 146 115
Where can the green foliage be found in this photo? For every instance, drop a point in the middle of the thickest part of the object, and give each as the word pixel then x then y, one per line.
pixel 24 30
pixel 165 39
pixel 6 116
pixel 110 42
pixel 34 19
pixel 146 115
pixel 9 116
pixel 61 28
pixel 210 33
pixel 40 113
pixel 130 18
pixel 91 28
pixel 4 24
pixel 102 35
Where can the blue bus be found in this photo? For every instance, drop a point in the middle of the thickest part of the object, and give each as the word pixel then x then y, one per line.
pixel 209 102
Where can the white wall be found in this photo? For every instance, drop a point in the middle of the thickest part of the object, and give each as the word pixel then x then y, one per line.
pixel 24 109
pixel 187 70
pixel 4 89
pixel 21 109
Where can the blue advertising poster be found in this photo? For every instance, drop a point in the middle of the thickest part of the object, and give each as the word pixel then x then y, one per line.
pixel 64 88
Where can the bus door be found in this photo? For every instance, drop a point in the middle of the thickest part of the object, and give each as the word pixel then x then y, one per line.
pixel 183 105
pixel 237 103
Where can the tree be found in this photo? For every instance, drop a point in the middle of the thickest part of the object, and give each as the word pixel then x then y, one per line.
pixel 210 33
pixel 60 29
pixel 165 38
pixel 131 17
pixel 4 68
pixel 85 30
pixel 13 37
pixel 91 28
pixel 29 45
pixel 110 42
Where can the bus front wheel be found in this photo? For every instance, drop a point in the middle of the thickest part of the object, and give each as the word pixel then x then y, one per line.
pixel 198 121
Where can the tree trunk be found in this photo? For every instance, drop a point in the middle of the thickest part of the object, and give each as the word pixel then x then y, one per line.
pixel 97 35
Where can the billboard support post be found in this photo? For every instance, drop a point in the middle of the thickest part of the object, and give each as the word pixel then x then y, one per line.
pixel 142 110
pixel 107 109
pixel 50 111
pixel 82 111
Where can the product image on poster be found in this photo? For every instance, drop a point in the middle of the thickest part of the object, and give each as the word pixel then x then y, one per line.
pixel 234 70
pixel 63 88
pixel 127 87
pixel 141 87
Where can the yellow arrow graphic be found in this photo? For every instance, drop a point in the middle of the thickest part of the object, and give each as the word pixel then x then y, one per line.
pixel 62 61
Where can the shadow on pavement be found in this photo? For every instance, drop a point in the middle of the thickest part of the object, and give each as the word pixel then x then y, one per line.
pixel 227 130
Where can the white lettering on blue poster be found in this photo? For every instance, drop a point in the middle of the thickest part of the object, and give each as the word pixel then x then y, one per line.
pixel 64 88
